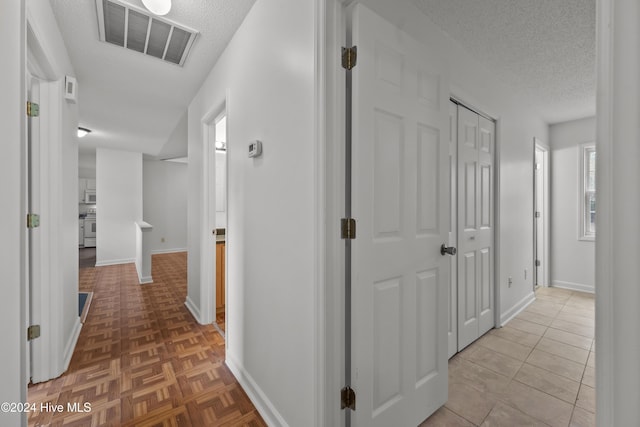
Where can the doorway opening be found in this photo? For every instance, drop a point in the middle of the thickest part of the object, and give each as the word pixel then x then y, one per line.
pixel 220 130
pixel 540 215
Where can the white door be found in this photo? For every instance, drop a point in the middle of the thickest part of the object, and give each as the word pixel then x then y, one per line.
pixel 453 228
pixel 476 141
pixel 400 201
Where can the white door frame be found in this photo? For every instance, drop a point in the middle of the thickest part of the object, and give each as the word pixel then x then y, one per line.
pixel 332 119
pixel 617 269
pixel 453 228
pixel 538 145
pixel 13 231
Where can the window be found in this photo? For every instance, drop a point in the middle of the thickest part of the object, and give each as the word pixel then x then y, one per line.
pixel 588 191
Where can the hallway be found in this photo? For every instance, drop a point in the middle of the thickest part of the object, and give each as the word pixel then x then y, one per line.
pixel 538 370
pixel 143 360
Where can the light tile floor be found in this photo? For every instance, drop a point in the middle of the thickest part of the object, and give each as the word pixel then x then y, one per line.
pixel 538 370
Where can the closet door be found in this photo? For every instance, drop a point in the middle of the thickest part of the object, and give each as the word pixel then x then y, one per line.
pixel 484 239
pixel 475 226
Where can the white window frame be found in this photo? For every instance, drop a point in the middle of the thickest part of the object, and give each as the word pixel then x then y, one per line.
pixel 583 152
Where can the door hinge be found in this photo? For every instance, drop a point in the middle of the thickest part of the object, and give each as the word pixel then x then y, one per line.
pixel 33 109
pixel 33 332
pixel 348 398
pixel 348 227
pixel 537 214
pixel 537 263
pixel 349 57
pixel 33 220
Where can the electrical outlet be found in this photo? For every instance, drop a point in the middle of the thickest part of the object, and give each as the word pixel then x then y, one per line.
pixel 510 281
pixel 162 240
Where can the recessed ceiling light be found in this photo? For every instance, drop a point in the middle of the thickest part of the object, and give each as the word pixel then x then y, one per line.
pixel 82 132
pixel 158 7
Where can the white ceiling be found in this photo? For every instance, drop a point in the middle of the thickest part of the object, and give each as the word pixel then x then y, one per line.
pixel 132 101
pixel 544 49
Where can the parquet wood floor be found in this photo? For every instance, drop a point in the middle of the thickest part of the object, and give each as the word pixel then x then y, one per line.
pixel 142 360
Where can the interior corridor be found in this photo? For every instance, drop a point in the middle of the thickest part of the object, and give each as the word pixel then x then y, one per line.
pixel 142 359
pixel 538 370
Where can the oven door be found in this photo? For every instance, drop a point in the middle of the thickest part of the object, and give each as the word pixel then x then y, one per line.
pixel 90 227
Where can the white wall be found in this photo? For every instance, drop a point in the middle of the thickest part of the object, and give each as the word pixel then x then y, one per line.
pixel 165 205
pixel 119 190
pixel 176 145
pixel 517 125
pixel 221 184
pixel 572 260
pixel 12 223
pixel 268 73
pixel 87 165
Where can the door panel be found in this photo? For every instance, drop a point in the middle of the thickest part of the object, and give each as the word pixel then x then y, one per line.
pixel 428 182
pixel 475 238
pixel 400 201
pixel 484 238
pixel 387 174
pixel 469 283
pixel 467 247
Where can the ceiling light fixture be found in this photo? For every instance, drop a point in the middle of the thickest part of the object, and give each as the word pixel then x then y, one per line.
pixel 82 132
pixel 158 7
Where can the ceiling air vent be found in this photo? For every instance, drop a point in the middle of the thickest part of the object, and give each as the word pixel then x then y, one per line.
pixel 131 27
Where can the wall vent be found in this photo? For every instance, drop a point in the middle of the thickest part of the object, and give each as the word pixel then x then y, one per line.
pixel 131 27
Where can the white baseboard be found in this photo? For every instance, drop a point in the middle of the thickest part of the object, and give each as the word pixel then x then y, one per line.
pixel 195 312
pixel 71 344
pixel 145 280
pixel 264 406
pixel 573 286
pixel 115 262
pixel 168 251
pixel 517 308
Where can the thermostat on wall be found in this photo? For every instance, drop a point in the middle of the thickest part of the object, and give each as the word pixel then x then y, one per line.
pixel 255 148
pixel 70 92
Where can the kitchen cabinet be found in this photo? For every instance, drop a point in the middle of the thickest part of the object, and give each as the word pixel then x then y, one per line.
pixel 220 276
pixel 85 184
pixel 82 186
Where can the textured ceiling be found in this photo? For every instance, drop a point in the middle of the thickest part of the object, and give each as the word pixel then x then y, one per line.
pixel 132 101
pixel 544 49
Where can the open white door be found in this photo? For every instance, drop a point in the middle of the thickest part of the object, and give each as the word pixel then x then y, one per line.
pixel 400 200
